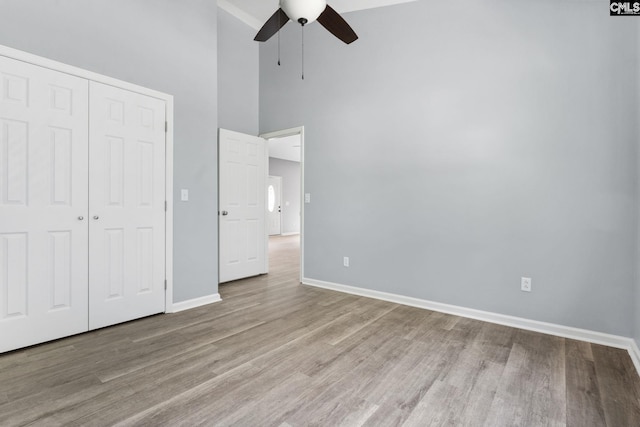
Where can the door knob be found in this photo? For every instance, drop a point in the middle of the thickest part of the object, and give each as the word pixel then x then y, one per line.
pixel 96 217
pixel 225 213
pixel 80 218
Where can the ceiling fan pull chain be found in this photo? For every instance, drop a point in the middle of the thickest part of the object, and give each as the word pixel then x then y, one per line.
pixel 279 26
pixel 302 51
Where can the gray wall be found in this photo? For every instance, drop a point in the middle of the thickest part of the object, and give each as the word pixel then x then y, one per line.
pixel 458 146
pixel 165 45
pixel 238 72
pixel 290 173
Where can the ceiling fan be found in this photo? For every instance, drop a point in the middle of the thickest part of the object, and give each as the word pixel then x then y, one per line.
pixel 305 12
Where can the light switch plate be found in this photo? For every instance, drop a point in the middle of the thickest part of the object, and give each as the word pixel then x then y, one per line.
pixel 184 195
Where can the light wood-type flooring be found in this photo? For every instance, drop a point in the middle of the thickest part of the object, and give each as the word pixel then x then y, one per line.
pixel 277 353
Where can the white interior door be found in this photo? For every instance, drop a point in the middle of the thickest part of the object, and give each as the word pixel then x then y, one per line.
pixel 274 205
pixel 43 204
pixel 242 193
pixel 126 206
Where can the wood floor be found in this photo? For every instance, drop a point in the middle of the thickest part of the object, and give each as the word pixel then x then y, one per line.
pixel 276 353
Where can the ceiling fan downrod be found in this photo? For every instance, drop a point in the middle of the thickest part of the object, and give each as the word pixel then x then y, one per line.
pixel 302 21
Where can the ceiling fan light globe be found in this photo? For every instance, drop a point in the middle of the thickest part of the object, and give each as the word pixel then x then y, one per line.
pixel 307 9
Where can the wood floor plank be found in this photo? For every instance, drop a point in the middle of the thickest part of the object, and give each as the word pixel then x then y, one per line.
pixel 469 387
pixel 39 406
pixel 331 409
pixel 30 362
pixel 150 387
pixel 277 353
pixel 133 362
pixel 532 388
pixel 584 404
pixel 619 388
pixel 497 340
pixel 187 324
pixel 223 392
pixel 396 383
pixel 386 416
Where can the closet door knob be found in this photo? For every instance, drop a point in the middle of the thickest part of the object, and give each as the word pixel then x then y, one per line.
pixel 96 217
pixel 80 218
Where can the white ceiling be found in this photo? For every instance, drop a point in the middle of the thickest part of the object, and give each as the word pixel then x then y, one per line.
pixel 256 12
pixel 287 148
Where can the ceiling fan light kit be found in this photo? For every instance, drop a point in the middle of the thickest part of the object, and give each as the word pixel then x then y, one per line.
pixel 306 11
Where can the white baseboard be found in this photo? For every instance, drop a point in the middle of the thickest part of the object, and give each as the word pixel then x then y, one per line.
pixel 193 303
pixel 501 319
pixel 291 233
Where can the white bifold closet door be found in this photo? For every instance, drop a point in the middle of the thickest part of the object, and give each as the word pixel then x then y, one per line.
pixel 126 205
pixel 82 204
pixel 43 204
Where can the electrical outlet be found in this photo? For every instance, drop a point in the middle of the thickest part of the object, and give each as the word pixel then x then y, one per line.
pixel 345 261
pixel 525 284
pixel 307 197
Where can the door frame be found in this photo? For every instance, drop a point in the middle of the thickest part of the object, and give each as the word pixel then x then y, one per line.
pixel 299 130
pixel 168 184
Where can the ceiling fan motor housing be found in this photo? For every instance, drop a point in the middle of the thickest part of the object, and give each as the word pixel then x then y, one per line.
pixel 300 10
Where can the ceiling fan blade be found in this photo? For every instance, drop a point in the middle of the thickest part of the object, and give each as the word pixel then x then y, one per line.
pixel 272 26
pixel 336 25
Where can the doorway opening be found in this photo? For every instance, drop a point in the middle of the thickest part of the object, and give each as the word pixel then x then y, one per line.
pixel 285 195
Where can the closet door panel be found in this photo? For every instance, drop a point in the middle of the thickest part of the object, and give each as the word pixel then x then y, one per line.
pixel 43 204
pixel 127 217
